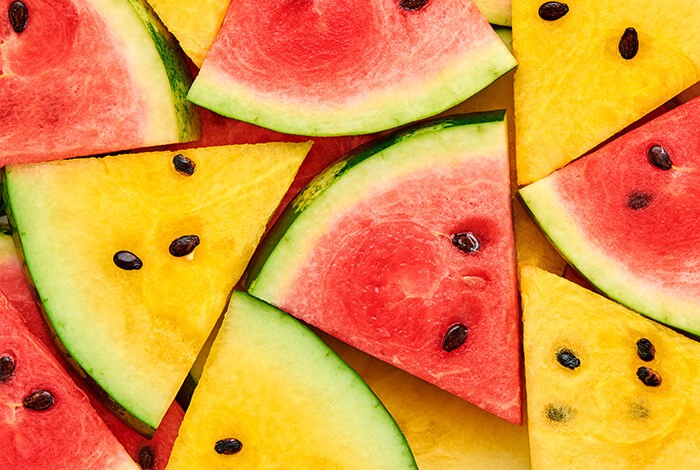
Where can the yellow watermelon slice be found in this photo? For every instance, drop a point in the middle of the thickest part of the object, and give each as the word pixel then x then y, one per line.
pixel 606 387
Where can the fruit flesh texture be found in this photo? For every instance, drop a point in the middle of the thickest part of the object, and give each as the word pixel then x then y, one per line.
pixel 566 103
pixel 496 11
pixel 241 75
pixel 226 202
pixel 135 98
pixel 367 257
pixel 647 258
pixel 67 435
pixel 612 419
pixel 273 385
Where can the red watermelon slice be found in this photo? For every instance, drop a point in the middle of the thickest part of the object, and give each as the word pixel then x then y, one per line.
pixel 404 249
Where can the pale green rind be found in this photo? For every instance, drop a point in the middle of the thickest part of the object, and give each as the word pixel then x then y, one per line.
pixel 506 35
pixel 604 272
pixel 496 11
pixel 372 112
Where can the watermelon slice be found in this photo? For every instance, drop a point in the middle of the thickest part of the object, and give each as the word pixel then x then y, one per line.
pixel 331 67
pixel 606 388
pixel 626 216
pixel 45 420
pixel 496 11
pixel 405 250
pixel 588 70
pixel 86 77
pixel 133 256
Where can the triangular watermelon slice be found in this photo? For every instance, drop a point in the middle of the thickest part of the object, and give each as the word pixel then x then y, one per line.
pixel 46 421
pixel 133 256
pixel 404 249
pixel 82 77
pixel 606 388
pixel 589 68
pixel 628 217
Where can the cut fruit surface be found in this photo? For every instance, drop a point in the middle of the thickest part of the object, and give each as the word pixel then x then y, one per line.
pixel 404 249
pixel 89 77
pixel 606 388
pixel 496 11
pixel 343 67
pixel 573 87
pixel 273 394
pixel 133 256
pixel 627 217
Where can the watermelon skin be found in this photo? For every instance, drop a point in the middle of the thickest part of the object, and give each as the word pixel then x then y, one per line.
pixel 68 435
pixel 364 253
pixel 649 258
pixel 52 89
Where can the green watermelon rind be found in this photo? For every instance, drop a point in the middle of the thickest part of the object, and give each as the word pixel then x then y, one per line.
pixel 496 12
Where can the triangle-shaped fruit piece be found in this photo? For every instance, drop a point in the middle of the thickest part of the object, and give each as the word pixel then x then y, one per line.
pixel 133 256
pixel 606 387
pixel 589 68
pixel 46 421
pixel 273 395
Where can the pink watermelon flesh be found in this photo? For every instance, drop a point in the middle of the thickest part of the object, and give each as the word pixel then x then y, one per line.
pixel 17 291
pixel 67 435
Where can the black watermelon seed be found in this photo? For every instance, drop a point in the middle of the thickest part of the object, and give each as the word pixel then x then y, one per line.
pixel 127 260
pixel 146 457
pixel 629 44
pixel 40 400
pixel 659 157
pixel 646 350
pixel 7 368
pixel 552 11
pixel 228 446
pixel 639 200
pixel 19 15
pixel 412 5
pixel 558 414
pixel 466 241
pixel 183 164
pixel 184 245
pixel 568 359
pixel 455 337
pixel 649 377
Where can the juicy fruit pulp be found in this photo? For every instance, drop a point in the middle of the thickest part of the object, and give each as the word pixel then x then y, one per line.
pixel 345 67
pixel 286 399
pixel 57 103
pixel 605 412
pixel 626 216
pixel 81 223
pixel 46 421
pixel 573 88
pixel 376 252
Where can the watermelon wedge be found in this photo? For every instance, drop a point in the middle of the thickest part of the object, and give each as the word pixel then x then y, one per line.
pixel 331 67
pixel 628 217
pixel 606 388
pixel 404 249
pixel 86 77
pixel 45 420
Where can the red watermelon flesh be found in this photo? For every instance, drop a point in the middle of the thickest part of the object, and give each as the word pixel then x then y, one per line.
pixel 18 293
pixel 62 431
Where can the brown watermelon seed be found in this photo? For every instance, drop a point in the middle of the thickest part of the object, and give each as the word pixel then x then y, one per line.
pixel 146 457
pixel 552 11
pixel 629 44
pixel 40 400
pixel 568 359
pixel 639 200
pixel 455 337
pixel 7 367
pixel 184 165
pixel 649 377
pixel 19 15
pixel 659 157
pixel 558 414
pixel 228 446
pixel 646 350
pixel 127 261
pixel 412 5
pixel 466 241
pixel 184 245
